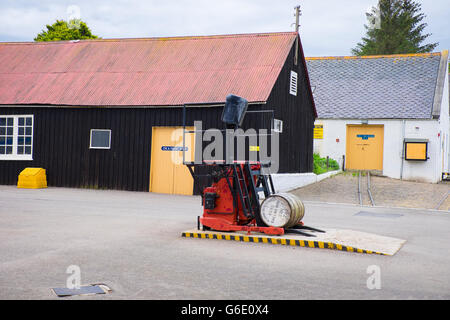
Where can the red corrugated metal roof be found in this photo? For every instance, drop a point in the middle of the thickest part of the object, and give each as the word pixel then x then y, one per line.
pixel 143 72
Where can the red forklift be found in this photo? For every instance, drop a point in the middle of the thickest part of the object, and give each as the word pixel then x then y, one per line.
pixel 233 201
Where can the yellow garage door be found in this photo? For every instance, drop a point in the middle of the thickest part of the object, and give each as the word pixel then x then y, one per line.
pixel 167 172
pixel 365 147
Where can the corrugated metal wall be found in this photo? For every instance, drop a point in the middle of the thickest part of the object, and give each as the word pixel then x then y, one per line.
pixel 61 144
pixel 298 115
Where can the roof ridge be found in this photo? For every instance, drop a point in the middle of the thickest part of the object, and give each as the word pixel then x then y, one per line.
pixel 170 38
pixel 409 55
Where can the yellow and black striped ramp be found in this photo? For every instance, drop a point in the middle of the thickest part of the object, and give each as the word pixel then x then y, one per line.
pixel 276 240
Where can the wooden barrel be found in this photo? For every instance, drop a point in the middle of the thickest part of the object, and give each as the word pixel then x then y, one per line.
pixel 282 210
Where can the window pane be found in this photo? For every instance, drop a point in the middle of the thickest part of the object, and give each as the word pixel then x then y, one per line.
pixel 20 141
pixel 28 141
pixel 28 131
pixel 8 150
pixel 9 141
pixel 27 150
pixel 9 131
pixel 2 121
pixel 29 121
pixel 21 131
pixel 100 139
pixel 2 149
pixel 2 141
pixel 20 150
pixel 2 131
pixel 21 121
pixel 10 121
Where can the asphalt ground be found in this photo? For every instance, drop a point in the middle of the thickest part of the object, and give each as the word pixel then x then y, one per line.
pixel 131 241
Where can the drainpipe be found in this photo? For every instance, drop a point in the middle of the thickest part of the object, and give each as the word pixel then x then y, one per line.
pixel 403 148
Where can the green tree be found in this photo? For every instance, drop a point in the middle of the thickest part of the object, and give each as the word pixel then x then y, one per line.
pixel 62 30
pixel 395 27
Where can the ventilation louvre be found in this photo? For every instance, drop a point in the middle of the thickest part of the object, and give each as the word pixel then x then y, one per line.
pixel 293 84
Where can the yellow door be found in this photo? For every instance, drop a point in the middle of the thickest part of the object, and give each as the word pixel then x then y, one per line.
pixel 167 172
pixel 365 147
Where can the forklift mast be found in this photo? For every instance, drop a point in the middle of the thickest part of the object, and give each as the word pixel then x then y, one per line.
pixel 233 201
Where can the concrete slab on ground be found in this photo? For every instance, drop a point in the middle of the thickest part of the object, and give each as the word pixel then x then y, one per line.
pixel 285 182
pixel 344 240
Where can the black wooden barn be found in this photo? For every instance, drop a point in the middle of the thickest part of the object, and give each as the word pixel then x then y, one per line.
pixel 85 110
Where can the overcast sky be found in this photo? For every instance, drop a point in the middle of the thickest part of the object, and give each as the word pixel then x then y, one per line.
pixel 328 27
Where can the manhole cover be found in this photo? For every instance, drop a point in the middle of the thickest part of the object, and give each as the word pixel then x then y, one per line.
pixel 83 290
pixel 379 215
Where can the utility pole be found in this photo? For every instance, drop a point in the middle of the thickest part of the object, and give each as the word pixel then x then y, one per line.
pixel 298 13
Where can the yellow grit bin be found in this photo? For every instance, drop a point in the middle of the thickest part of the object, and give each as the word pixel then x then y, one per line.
pixel 32 178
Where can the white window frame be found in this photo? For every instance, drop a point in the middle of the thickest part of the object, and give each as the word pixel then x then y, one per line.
pixel 90 139
pixel 277 126
pixel 14 155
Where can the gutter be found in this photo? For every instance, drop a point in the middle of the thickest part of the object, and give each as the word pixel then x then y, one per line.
pixel 193 105
pixel 440 82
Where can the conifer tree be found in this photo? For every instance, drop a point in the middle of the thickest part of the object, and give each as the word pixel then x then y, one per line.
pixel 395 27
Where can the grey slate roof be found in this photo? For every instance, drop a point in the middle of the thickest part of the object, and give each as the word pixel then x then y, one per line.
pixel 387 87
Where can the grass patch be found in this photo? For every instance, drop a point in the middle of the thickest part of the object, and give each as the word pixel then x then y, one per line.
pixel 320 164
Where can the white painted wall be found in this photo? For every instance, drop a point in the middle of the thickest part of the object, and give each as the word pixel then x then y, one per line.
pixel 334 146
pixel 285 182
pixel 445 124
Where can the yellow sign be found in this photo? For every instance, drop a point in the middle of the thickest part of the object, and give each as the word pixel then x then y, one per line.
pixel 318 131
pixel 254 148
pixel 416 151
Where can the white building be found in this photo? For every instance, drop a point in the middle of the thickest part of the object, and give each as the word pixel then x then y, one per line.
pixel 385 113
